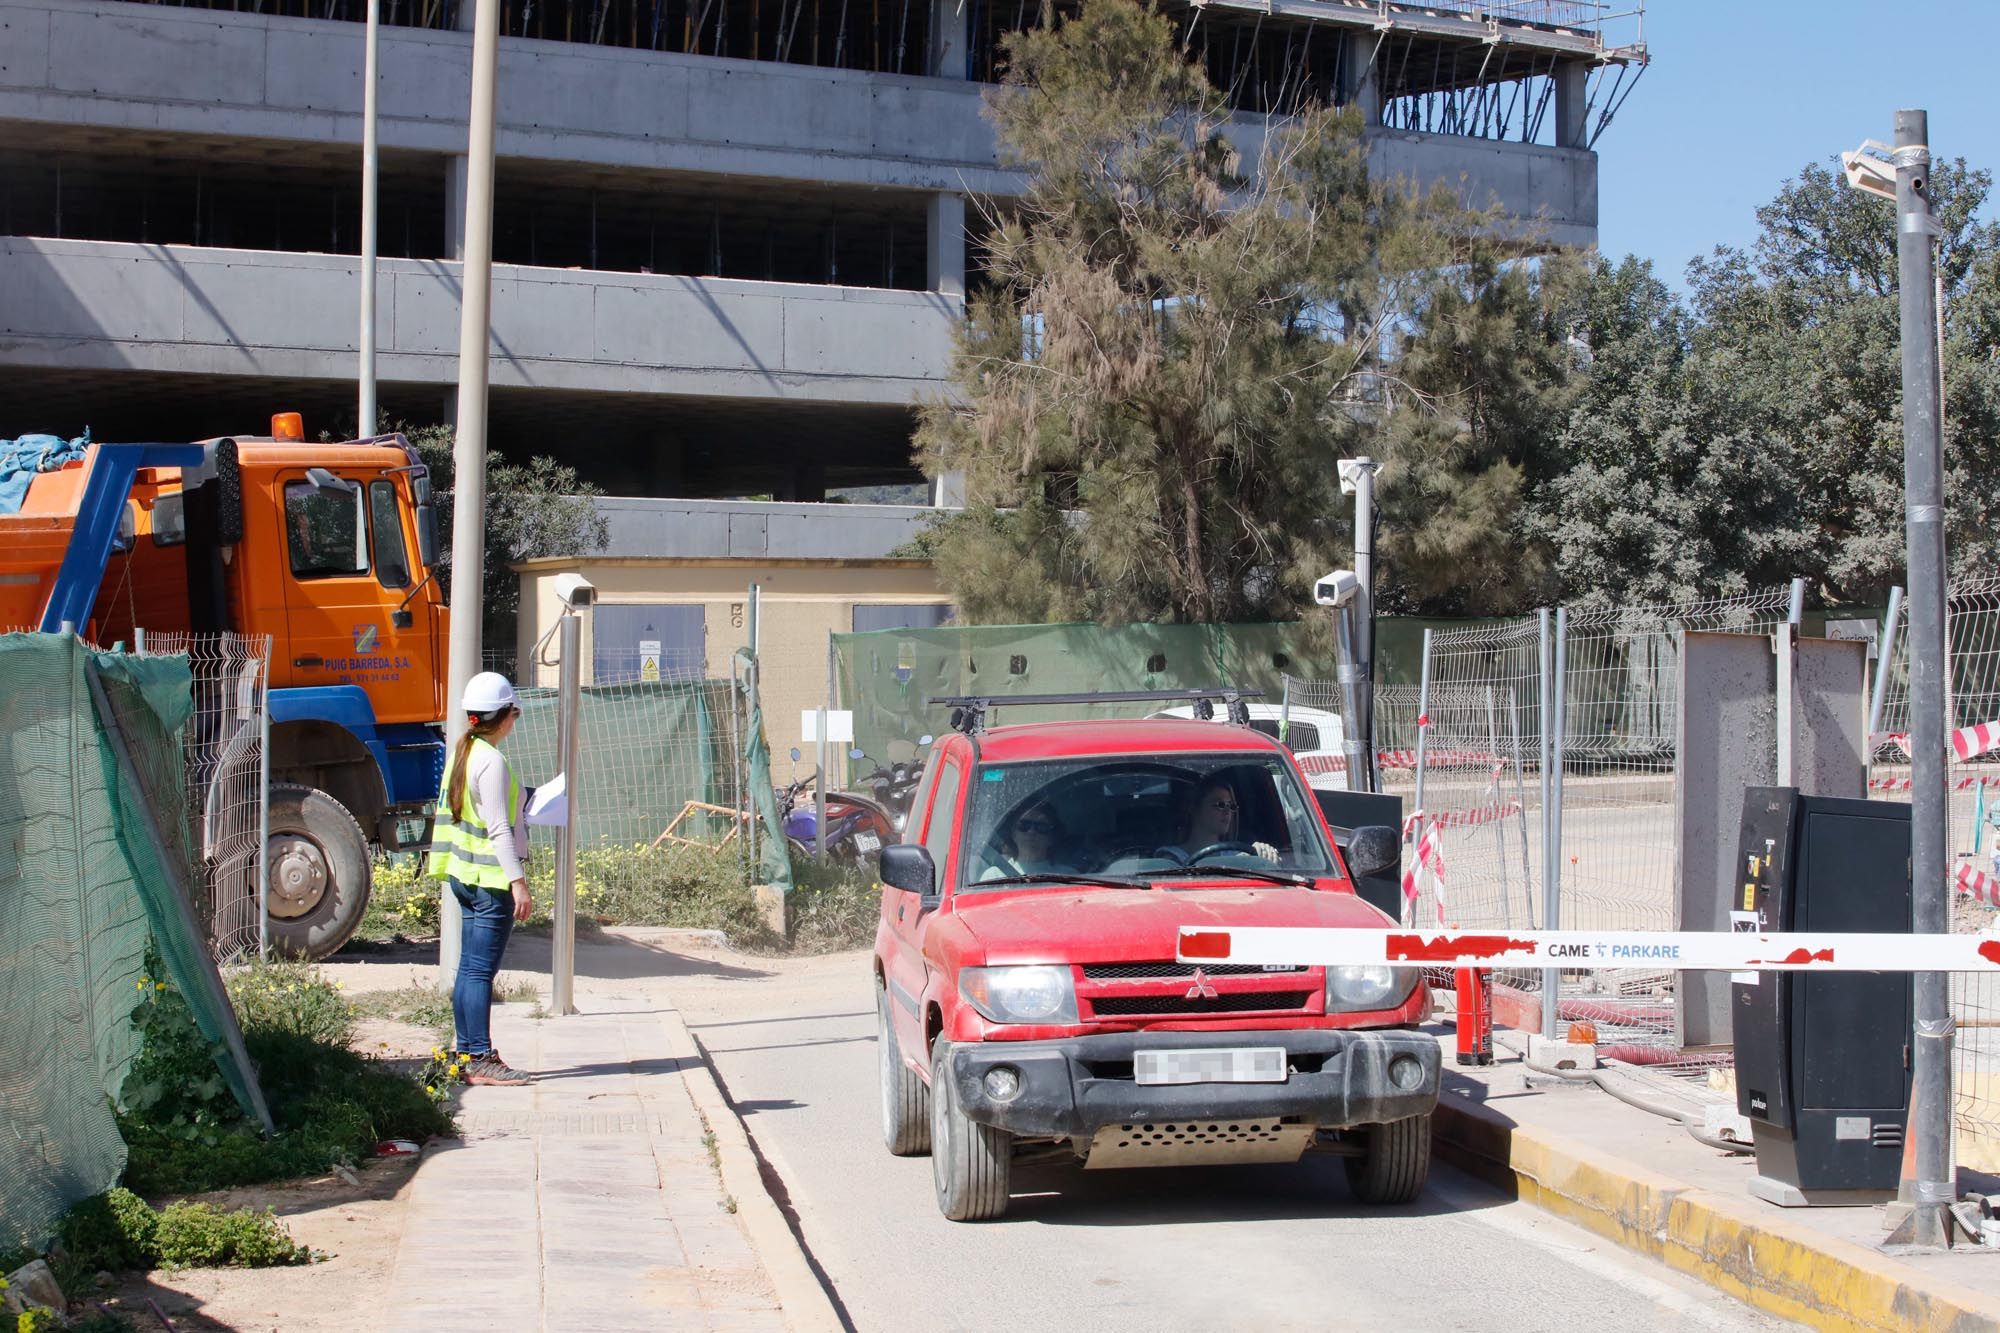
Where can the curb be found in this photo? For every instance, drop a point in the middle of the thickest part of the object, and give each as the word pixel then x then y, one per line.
pixel 1730 1244
pixel 807 1307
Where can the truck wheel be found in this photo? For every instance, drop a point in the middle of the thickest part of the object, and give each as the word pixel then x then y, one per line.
pixel 970 1163
pixel 320 874
pixel 1397 1163
pixel 906 1102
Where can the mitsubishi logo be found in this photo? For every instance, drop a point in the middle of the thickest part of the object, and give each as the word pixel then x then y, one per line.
pixel 1201 990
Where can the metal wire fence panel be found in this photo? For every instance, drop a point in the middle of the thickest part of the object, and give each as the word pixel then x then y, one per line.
pixel 82 890
pixel 1619 739
pixel 1480 777
pixel 649 751
pixel 1972 633
pixel 222 755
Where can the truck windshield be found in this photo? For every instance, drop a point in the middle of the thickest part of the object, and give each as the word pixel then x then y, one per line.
pixel 1153 816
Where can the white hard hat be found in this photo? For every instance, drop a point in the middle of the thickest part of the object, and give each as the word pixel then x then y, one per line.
pixel 488 692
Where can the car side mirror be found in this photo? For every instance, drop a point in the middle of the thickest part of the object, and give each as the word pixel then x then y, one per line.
pixel 1372 849
pixel 908 867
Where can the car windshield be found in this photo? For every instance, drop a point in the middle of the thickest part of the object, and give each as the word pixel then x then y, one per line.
pixel 1144 817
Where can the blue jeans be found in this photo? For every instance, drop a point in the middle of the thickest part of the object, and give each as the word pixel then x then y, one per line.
pixel 485 923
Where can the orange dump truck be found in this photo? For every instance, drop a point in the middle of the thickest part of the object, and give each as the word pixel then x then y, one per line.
pixel 331 550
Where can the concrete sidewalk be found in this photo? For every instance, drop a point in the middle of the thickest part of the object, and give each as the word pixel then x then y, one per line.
pixel 593 1200
pixel 1641 1180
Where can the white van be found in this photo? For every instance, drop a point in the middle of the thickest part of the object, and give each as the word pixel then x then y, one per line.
pixel 1314 735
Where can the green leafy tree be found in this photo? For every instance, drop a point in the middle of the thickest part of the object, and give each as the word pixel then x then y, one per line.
pixel 1175 345
pixel 1658 487
pixel 1755 431
pixel 537 508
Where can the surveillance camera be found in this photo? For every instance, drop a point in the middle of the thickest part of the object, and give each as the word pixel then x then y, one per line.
pixel 1336 589
pixel 1869 171
pixel 576 591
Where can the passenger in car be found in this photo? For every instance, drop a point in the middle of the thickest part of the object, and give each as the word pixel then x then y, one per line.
pixel 1035 843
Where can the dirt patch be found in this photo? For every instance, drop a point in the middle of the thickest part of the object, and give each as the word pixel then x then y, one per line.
pixel 357 1226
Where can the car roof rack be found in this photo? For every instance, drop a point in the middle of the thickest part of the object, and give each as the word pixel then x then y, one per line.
pixel 968 712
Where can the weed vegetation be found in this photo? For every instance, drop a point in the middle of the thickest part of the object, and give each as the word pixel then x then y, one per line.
pixel 834 906
pixel 186 1133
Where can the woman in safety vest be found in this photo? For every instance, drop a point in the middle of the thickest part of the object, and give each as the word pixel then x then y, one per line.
pixel 477 847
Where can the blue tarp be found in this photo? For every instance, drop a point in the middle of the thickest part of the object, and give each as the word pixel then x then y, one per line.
pixel 21 459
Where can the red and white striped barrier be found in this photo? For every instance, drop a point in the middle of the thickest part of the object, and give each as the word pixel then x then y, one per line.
pixel 1592 950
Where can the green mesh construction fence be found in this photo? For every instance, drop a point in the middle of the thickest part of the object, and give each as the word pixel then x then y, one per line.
pixel 93 865
pixel 885 676
pixel 646 750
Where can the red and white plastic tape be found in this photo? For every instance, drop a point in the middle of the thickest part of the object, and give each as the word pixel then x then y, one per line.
pixel 1969 741
pixel 1966 742
pixel 1397 759
pixel 1903 784
pixel 1426 865
pixel 1590 950
pixel 1977 884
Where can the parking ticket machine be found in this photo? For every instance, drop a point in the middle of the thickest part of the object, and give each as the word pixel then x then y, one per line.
pixel 1823 1060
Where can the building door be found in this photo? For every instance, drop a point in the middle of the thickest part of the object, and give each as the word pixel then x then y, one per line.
pixel 648 643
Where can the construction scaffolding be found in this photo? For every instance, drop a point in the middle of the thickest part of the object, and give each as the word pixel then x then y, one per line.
pixel 1458 67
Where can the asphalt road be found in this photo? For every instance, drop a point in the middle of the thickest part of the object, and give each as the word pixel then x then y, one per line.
pixel 1215 1248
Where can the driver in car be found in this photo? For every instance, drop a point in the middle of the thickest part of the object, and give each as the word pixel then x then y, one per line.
pixel 1211 820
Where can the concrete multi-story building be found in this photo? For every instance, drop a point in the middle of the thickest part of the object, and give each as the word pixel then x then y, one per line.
pixel 731 236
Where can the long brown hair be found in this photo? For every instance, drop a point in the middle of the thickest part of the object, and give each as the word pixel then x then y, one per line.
pixel 482 728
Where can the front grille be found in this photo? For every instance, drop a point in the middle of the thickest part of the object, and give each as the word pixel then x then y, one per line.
pixel 1118 1006
pixel 1177 971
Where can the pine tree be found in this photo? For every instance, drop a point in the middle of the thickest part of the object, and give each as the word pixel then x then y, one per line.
pixel 1178 339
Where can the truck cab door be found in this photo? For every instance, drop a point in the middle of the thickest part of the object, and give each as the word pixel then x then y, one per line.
pixel 348 567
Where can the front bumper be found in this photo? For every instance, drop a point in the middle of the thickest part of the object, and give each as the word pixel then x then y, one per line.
pixel 1074 1087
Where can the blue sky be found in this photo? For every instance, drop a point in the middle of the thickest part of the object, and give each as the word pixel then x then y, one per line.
pixel 1742 93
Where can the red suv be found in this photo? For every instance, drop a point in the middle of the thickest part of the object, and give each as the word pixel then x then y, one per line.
pixel 1027 994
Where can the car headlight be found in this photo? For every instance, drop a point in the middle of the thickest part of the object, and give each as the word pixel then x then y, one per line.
pixel 1369 986
pixel 1020 994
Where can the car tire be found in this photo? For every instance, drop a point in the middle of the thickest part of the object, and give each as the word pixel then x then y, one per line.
pixel 971 1163
pixel 906 1100
pixel 1396 1164
pixel 320 871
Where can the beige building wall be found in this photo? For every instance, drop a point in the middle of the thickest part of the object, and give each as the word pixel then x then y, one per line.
pixel 800 602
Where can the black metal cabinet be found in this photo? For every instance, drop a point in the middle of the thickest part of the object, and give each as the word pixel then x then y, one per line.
pixel 1822 1061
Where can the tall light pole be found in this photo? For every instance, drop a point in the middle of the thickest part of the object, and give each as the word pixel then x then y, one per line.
pixel 468 524
pixel 369 210
pixel 1930 1222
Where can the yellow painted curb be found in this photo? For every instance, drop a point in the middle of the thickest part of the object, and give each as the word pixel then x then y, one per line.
pixel 1771 1263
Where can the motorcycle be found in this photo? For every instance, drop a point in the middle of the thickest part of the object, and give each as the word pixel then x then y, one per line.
pixel 856 827
pixel 894 785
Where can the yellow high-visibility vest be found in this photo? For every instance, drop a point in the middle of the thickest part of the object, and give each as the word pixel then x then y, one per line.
pixel 460 848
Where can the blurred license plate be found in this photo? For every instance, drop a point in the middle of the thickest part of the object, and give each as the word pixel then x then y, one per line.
pixel 868 842
pixel 1238 1064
